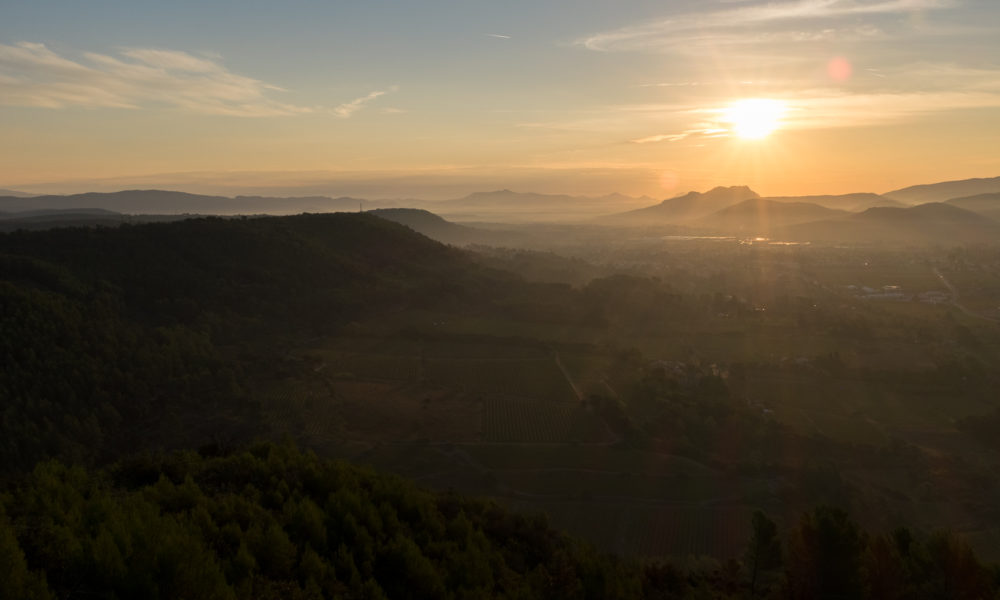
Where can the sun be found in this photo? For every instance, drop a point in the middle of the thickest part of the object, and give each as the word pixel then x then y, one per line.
pixel 754 118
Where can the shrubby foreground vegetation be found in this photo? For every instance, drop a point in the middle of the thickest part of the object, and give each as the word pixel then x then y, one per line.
pixel 273 522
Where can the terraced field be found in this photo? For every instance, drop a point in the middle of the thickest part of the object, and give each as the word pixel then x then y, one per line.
pixel 525 378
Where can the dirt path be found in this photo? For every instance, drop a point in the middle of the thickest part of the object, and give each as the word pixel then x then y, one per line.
pixel 569 379
pixel 954 299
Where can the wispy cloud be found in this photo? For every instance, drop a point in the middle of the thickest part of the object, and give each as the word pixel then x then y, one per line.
pixel 347 109
pixel 663 137
pixel 789 21
pixel 499 36
pixel 665 84
pixel 34 75
pixel 31 74
pixel 701 132
pixel 823 9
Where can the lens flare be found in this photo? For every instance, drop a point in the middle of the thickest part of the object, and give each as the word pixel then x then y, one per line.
pixel 839 69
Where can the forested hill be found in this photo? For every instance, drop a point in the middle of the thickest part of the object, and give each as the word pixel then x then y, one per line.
pixel 310 269
pixel 115 338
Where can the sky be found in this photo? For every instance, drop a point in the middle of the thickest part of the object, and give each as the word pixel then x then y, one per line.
pixel 436 99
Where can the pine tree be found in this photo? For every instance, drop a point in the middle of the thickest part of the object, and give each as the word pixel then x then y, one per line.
pixel 763 553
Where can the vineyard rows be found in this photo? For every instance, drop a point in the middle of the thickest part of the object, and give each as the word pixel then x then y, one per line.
pixel 527 378
pixel 507 419
pixel 301 411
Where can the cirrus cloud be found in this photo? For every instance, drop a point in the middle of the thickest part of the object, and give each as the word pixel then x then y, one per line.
pixel 31 74
pixel 783 22
pixel 347 109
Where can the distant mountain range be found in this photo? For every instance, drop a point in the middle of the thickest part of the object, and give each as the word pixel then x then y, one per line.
pixel 15 193
pixel 848 202
pixel 984 204
pixel 168 202
pixel 695 206
pixel 502 205
pixel 933 222
pixel 731 207
pixel 686 208
pixel 944 191
pixel 513 199
pixel 760 216
pixel 967 210
pixel 510 206
pixel 849 218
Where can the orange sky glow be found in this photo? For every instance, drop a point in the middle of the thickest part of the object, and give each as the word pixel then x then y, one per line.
pixel 389 100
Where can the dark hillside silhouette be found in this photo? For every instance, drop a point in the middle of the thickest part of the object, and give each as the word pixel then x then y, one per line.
pixel 107 330
pixel 437 228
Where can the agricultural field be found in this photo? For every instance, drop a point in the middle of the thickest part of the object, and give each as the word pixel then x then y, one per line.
pixel 302 408
pixel 539 379
pixel 524 420
pixel 335 412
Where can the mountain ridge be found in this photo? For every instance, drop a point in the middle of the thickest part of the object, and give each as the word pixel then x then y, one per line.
pixel 931 222
pixel 438 228
pixel 985 204
pixel 506 206
pixel 15 193
pixel 172 202
pixel 687 207
pixel 945 190
pixel 853 202
pixel 759 216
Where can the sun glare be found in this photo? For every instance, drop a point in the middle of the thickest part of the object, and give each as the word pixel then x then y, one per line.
pixel 754 118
